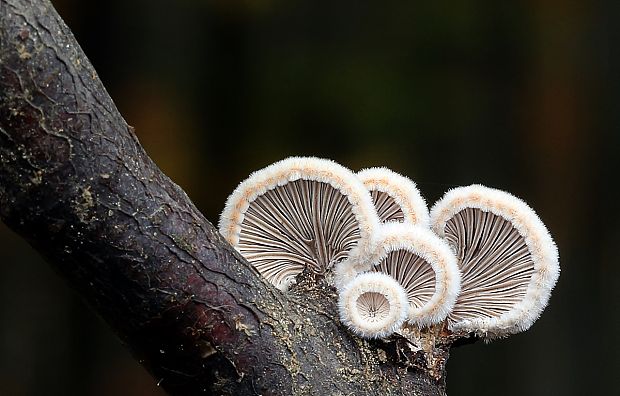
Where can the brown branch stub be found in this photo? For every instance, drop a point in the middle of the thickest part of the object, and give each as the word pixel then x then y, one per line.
pixel 75 182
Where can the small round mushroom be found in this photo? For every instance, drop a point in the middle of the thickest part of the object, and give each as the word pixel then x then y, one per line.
pixel 373 305
pixel 419 261
pixel 508 260
pixel 395 196
pixel 298 213
pixel 426 268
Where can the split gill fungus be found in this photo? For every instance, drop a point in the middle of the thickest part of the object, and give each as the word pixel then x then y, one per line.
pixel 480 262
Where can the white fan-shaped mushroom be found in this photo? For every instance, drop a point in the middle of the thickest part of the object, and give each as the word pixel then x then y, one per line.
pixel 373 305
pixel 424 265
pixel 395 196
pixel 419 261
pixel 301 212
pixel 508 261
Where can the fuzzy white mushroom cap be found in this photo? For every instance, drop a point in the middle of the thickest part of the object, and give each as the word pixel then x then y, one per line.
pixel 508 260
pixel 421 262
pixel 424 265
pixel 395 196
pixel 373 305
pixel 301 212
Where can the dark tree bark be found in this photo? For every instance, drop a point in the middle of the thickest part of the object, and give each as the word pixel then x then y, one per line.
pixel 75 183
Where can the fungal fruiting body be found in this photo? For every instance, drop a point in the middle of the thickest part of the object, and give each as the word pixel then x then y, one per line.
pixel 420 262
pixel 426 268
pixel 508 260
pixel 373 305
pixel 395 196
pixel 488 268
pixel 298 213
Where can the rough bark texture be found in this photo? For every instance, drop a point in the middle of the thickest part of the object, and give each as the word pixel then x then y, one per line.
pixel 75 182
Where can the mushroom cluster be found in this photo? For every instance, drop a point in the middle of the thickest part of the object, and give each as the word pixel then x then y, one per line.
pixel 481 261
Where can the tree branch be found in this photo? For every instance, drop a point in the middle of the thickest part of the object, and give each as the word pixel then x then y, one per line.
pixel 75 182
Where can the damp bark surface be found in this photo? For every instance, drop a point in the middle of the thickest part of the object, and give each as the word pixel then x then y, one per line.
pixel 77 185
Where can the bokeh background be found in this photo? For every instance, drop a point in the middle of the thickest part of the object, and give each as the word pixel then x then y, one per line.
pixel 522 96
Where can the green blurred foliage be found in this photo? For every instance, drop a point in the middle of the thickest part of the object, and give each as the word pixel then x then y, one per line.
pixel 519 96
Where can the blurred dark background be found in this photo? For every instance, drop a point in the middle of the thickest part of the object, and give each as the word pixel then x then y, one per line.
pixel 522 96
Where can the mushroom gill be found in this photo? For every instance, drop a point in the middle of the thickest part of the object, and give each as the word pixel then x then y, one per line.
pixel 295 214
pixel 373 305
pixel 507 259
pixel 424 265
pixel 395 196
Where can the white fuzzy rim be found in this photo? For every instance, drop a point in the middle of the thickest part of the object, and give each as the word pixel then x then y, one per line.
pixel 373 305
pixel 540 249
pixel 421 262
pixel 424 265
pixel 396 197
pixel 281 174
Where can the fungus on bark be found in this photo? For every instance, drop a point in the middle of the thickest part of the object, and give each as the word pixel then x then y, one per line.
pixel 373 305
pixel 508 260
pixel 426 268
pixel 298 213
pixel 420 262
pixel 395 196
